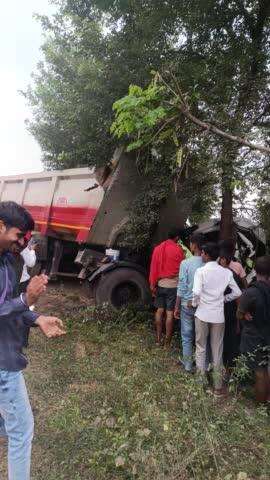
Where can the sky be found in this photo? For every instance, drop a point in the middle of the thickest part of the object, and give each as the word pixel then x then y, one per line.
pixel 20 41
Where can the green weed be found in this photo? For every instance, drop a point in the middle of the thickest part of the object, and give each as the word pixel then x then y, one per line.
pixel 111 405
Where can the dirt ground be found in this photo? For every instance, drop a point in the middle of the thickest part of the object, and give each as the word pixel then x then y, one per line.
pixel 72 291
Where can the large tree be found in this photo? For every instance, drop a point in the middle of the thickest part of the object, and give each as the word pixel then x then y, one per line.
pixel 217 50
pixel 221 83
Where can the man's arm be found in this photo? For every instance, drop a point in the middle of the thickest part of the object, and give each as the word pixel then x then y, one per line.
pixel 243 276
pixel 247 305
pixel 50 326
pixel 235 290
pixel 197 287
pixel 22 303
pixel 29 318
pixel 182 280
pixel 14 305
pixel 181 288
pixel 153 277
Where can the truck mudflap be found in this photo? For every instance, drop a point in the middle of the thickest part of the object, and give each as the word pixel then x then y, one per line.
pixel 120 283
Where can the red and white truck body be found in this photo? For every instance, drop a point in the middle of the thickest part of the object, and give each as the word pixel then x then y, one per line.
pixel 61 202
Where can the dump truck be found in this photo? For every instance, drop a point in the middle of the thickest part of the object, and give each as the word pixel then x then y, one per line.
pixel 81 213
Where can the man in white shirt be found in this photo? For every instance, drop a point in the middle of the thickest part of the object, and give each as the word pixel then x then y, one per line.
pixel 210 283
pixel 29 256
pixel 24 258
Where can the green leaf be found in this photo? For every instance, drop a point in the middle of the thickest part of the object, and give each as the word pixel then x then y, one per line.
pixel 134 145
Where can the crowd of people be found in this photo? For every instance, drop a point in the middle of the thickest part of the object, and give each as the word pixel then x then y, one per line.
pixel 220 317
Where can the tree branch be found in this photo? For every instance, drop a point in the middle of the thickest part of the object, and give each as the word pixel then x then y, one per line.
pixel 212 128
pixel 209 127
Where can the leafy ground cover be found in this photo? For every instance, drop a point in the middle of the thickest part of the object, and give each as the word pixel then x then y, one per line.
pixel 110 405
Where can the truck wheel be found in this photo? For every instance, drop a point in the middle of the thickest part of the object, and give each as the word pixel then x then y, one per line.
pixel 121 287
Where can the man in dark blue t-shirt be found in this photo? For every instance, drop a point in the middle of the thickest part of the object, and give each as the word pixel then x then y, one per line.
pixel 16 421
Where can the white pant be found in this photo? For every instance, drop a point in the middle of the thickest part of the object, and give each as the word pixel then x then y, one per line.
pixel 216 332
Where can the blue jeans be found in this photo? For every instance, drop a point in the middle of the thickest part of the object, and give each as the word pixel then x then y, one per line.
pixel 17 423
pixel 187 336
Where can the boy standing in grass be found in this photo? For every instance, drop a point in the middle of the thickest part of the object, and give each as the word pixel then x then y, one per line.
pixel 210 283
pixel 254 310
pixel 183 304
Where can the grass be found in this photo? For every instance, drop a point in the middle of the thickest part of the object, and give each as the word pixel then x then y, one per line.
pixel 111 405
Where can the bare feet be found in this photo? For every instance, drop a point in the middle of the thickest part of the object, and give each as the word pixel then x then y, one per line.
pixel 159 342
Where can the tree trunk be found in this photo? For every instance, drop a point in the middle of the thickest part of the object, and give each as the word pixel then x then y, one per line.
pixel 229 155
pixel 226 214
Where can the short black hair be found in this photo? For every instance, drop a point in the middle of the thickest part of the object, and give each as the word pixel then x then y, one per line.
pixel 227 255
pixel 174 232
pixel 198 239
pixel 262 266
pixel 228 246
pixel 212 250
pixel 14 215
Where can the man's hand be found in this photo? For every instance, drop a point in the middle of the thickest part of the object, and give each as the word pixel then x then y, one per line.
pixel 51 326
pixel 176 313
pixel 248 317
pixel 244 316
pixel 36 287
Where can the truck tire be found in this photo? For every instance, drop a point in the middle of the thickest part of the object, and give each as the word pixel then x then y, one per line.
pixel 121 287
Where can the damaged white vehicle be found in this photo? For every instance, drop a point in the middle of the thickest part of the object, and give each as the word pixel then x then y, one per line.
pixel 250 242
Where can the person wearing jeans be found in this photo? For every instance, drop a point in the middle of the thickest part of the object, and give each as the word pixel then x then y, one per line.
pixel 187 332
pixel 184 299
pixel 16 421
pixel 210 283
